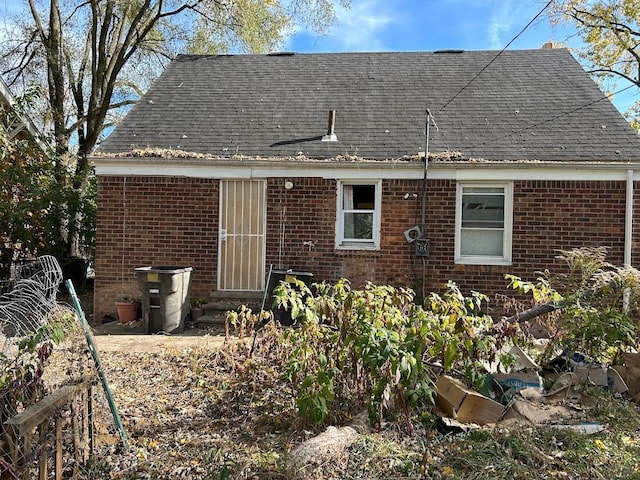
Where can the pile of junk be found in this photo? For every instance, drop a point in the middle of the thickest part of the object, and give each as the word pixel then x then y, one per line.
pixel 553 394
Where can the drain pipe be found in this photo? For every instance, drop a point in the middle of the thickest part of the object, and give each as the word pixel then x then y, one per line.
pixel 628 232
pixel 628 224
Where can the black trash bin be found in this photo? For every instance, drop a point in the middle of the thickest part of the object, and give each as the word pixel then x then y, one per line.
pixel 165 297
pixel 289 276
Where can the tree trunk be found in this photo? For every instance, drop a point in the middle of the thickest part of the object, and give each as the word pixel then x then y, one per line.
pixel 533 312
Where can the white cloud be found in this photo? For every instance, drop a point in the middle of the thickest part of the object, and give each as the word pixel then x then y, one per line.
pixel 360 28
pixel 500 26
pixel 408 25
pixel 508 19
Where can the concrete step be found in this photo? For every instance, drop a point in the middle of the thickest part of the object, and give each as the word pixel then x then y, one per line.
pixel 220 308
pixel 216 319
pixel 226 301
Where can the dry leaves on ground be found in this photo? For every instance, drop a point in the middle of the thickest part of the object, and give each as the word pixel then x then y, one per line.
pixel 199 413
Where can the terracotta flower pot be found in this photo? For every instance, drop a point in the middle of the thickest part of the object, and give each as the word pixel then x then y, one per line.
pixel 127 311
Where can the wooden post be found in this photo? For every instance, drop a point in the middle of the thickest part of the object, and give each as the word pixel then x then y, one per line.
pixel 38 416
pixel 75 430
pixel 43 462
pixel 85 425
pixel 91 430
pixel 23 452
pixel 59 457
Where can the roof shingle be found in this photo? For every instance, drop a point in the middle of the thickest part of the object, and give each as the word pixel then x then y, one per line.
pixel 526 105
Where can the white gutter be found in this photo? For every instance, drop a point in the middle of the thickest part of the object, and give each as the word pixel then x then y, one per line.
pixel 399 169
pixel 628 236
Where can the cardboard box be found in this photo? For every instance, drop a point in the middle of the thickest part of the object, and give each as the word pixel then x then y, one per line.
pixel 616 380
pixel 597 374
pixel 585 368
pixel 523 361
pixel 519 380
pixel 465 405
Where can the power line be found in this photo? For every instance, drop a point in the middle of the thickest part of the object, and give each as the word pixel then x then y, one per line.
pixel 604 97
pixel 497 55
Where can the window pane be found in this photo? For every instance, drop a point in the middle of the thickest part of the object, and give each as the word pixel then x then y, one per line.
pixel 499 190
pixel 358 197
pixel 358 226
pixel 482 211
pixel 481 242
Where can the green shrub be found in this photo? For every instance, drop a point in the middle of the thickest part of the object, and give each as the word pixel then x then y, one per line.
pixel 375 347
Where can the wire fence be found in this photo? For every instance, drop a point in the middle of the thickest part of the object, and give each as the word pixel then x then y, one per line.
pixel 54 417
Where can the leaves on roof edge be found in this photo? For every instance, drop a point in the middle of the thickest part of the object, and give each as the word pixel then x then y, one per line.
pixel 446 156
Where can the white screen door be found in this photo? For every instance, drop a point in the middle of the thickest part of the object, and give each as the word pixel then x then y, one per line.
pixel 242 235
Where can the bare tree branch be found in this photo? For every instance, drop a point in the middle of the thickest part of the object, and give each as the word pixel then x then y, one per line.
pixel 88 49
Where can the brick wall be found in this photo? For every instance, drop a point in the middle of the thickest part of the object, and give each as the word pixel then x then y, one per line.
pixel 554 215
pixel 174 221
pixel 548 217
pixel 144 221
pixel 301 233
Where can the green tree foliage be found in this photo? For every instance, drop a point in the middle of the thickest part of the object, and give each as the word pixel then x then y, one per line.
pixel 25 194
pixel 96 57
pixel 31 200
pixel 378 348
pixel 595 303
pixel 610 30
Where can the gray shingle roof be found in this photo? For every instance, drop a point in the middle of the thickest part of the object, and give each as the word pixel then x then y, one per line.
pixel 526 105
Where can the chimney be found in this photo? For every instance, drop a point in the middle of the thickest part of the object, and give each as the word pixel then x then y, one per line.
pixel 331 136
pixel 549 45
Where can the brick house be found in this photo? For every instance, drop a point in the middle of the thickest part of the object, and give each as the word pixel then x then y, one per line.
pixel 315 162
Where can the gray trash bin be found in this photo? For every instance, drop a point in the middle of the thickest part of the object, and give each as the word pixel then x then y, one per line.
pixel 165 297
pixel 289 276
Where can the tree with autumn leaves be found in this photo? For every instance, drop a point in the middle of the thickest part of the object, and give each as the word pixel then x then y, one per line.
pixel 96 57
pixel 610 32
pixel 29 197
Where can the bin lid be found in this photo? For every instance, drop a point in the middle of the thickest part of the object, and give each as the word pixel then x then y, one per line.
pixel 292 272
pixel 164 269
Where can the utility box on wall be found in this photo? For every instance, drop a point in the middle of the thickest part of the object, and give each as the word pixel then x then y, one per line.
pixel 422 247
pixel 165 297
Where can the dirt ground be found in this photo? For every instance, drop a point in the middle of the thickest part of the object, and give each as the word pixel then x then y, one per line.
pixel 116 337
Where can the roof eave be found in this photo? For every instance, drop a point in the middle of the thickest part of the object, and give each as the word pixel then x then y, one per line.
pixel 246 167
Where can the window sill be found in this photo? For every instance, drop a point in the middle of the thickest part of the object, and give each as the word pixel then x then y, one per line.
pixel 368 248
pixel 483 261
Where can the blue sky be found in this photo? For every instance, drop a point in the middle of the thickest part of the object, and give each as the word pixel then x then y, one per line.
pixel 409 25
pixel 426 25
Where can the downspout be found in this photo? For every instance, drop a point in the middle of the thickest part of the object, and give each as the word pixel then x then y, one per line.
pixel 124 232
pixel 628 232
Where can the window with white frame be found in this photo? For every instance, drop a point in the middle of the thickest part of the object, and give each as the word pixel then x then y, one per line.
pixel 483 223
pixel 358 215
